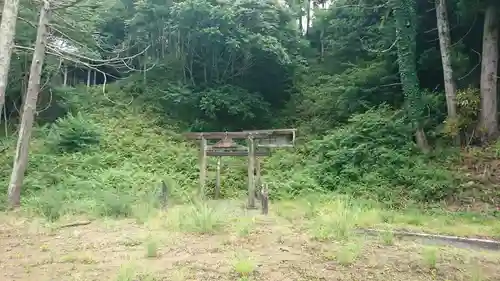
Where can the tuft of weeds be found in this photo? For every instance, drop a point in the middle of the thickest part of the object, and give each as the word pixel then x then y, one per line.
pixel 244 226
pixel 129 242
pixel 49 204
pixel 54 203
pixel 430 257
pixel 180 274
pixel 196 218
pixel 44 248
pixel 387 238
pixel 348 253
pixel 114 205
pixel 130 272
pixel 476 274
pixel 243 266
pixel 335 221
pixel 151 248
pixel 127 272
pixel 143 212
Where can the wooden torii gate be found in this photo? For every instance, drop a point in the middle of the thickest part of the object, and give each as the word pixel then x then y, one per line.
pixel 259 143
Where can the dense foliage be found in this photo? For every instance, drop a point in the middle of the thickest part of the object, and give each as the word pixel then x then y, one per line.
pixel 357 81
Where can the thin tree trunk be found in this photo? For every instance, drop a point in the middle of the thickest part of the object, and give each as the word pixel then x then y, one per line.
pixel 65 76
pixel 300 6
pixel 450 86
pixel 89 71
pixel 406 31
pixel 308 14
pixel 7 33
pixel 22 149
pixel 489 64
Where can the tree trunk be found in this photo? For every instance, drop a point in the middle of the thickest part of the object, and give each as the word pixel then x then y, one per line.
pixel 29 108
pixel 406 32
pixel 7 33
pixel 301 26
pixel 489 64
pixel 450 87
pixel 308 15
pixel 65 76
pixel 88 77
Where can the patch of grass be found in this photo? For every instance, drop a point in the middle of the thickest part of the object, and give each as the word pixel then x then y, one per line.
pixel 335 221
pixel 335 218
pixel 114 205
pixel 180 274
pixel 44 248
pixel 476 274
pixel 430 256
pixel 243 266
pixel 127 273
pixel 144 211
pixel 243 226
pixel 131 242
pixel 49 205
pixel 348 253
pixel 151 248
pixel 53 203
pixel 130 272
pixel 387 238
pixel 200 218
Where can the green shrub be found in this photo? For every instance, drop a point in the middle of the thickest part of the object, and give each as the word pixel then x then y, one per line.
pixel 114 205
pixel 74 133
pixel 374 155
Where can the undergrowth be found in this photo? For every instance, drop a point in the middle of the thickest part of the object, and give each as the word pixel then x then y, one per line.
pixel 374 155
pixel 105 157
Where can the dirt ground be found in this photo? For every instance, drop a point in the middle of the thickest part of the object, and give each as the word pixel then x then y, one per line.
pixel 257 248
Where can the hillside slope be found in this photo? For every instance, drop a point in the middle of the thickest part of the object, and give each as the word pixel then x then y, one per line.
pixel 137 150
pixel 133 156
pixel 370 157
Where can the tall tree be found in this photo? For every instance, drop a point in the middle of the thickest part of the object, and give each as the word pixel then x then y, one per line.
pixel 406 35
pixel 489 68
pixel 7 33
pixel 29 107
pixel 450 86
pixel 308 15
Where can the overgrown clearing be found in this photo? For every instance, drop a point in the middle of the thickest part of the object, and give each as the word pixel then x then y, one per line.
pixel 309 235
pixel 382 142
pixel 223 241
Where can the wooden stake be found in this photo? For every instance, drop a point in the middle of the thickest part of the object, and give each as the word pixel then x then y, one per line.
pixel 203 165
pixel 264 199
pixel 251 178
pixel 258 181
pixel 217 179
pixel 65 77
pixel 163 195
pixel 88 77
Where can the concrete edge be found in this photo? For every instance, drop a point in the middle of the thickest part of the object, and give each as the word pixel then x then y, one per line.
pixel 449 240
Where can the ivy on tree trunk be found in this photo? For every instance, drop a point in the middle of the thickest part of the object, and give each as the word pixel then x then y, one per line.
pixel 406 35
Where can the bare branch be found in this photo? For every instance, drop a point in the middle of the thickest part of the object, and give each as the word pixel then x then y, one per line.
pixel 27 21
pixel 378 51
pixel 57 5
pixel 56 52
pixel 103 61
pixel 473 68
